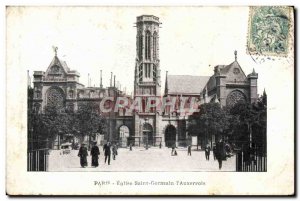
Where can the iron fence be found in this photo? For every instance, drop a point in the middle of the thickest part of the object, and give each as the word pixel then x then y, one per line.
pixel 251 158
pixel 37 160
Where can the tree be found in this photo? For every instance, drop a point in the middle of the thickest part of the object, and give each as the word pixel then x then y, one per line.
pixel 53 122
pixel 89 119
pixel 249 122
pixel 211 119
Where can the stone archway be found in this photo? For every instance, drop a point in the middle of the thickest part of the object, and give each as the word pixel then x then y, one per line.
pixel 170 136
pixel 147 134
pixel 123 135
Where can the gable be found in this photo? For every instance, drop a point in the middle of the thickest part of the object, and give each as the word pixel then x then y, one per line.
pixel 234 73
pixel 57 68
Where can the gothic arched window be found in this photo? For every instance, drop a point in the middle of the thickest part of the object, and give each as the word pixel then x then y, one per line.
pixel 147 45
pixel 155 45
pixel 140 41
pixel 235 97
pixel 55 97
pixel 141 73
pixel 154 72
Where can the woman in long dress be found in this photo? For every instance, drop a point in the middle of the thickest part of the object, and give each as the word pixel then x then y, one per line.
pixel 95 152
pixel 83 153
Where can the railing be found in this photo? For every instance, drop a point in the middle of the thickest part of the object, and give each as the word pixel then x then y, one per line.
pixel 251 159
pixel 37 160
pixel 55 79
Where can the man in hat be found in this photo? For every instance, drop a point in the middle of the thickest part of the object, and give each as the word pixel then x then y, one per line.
pixel 83 153
pixel 95 152
pixel 107 152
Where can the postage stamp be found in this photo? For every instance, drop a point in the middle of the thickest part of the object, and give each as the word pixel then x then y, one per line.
pixel 268 31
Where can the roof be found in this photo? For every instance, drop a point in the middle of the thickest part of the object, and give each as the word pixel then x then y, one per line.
pixel 61 63
pixel 185 84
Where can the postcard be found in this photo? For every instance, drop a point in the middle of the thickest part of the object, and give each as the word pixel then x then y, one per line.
pixel 137 100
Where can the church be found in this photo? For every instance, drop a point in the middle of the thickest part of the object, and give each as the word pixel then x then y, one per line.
pixel 228 84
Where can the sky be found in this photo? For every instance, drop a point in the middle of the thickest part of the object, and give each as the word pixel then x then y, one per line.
pixel 192 40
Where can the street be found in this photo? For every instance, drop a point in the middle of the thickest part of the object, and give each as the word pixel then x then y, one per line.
pixel 140 159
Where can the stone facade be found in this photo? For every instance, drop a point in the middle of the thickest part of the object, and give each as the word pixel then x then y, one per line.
pixel 60 86
pixel 229 85
pixel 147 83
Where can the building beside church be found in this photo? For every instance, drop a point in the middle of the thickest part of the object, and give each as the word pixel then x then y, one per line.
pixel 59 85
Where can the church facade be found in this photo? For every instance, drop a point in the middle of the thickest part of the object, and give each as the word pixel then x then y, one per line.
pixel 154 126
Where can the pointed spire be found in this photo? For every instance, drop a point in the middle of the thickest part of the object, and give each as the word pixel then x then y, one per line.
pixel 101 86
pixel 88 79
pixel 111 75
pixel 253 72
pixel 28 79
pixel 235 55
pixel 114 80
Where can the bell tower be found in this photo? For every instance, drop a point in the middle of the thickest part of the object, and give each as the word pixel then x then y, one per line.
pixel 147 81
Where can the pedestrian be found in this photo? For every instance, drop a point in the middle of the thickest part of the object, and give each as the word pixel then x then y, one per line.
pixel 114 151
pixel 189 150
pixel 220 152
pixel 117 147
pixel 130 147
pixel 207 152
pixel 214 151
pixel 95 152
pixel 173 149
pixel 160 145
pixel 107 152
pixel 83 153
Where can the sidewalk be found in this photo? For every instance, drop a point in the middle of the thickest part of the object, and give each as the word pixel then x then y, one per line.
pixel 140 159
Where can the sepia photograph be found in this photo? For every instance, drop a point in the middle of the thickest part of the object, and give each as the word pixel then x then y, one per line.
pixel 150 100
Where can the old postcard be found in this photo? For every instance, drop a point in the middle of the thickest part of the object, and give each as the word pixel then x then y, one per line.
pixel 150 100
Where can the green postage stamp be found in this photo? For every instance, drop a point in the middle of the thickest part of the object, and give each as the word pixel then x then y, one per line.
pixel 268 31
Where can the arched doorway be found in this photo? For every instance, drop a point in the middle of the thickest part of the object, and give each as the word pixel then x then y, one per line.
pixel 123 135
pixel 147 134
pixel 170 136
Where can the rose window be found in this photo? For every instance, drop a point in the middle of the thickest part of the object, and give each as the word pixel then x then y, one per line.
pixel 235 97
pixel 55 98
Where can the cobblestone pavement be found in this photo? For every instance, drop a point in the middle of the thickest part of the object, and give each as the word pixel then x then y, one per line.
pixel 139 159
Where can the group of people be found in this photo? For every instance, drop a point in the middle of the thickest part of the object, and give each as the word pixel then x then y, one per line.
pixel 108 148
pixel 220 151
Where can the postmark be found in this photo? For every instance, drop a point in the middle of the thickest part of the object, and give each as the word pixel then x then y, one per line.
pixel 268 31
